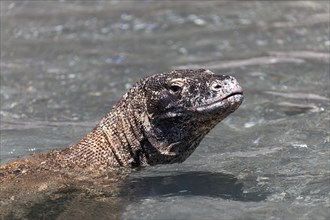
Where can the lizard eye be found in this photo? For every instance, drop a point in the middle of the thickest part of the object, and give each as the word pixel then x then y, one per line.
pixel 175 88
pixel 175 85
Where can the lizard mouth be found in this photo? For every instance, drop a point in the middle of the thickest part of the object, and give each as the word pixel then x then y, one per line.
pixel 230 102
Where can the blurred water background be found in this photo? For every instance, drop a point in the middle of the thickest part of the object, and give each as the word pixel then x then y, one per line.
pixel 65 63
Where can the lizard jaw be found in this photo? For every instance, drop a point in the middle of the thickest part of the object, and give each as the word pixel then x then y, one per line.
pixel 234 100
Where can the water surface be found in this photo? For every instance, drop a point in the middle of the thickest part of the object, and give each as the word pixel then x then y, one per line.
pixel 64 64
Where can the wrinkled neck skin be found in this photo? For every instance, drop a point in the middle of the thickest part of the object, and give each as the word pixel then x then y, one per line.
pixel 129 137
pixel 115 142
pixel 170 141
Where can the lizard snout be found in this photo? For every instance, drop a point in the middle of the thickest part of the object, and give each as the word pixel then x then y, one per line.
pixel 226 86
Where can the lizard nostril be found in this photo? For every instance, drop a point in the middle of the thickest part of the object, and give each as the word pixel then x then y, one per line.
pixel 216 86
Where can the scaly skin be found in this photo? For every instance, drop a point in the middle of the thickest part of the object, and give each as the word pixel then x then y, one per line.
pixel 160 120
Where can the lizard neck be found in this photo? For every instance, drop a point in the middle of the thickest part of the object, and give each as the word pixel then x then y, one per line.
pixel 115 141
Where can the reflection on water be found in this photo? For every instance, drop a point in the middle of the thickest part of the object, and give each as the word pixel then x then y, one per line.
pixel 205 184
pixel 62 196
pixel 69 204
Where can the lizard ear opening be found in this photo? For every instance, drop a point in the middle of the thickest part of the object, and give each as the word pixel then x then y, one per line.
pixel 150 92
pixel 151 107
pixel 163 96
pixel 160 103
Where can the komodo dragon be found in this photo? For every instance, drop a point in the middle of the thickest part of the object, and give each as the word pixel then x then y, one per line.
pixel 160 120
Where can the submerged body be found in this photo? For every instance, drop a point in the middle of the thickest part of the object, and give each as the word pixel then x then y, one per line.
pixel 160 120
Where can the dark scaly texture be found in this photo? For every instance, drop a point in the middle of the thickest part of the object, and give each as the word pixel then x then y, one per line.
pixel 160 120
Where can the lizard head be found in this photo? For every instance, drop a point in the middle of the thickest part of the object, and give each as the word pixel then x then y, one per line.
pixel 181 108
